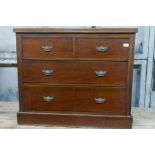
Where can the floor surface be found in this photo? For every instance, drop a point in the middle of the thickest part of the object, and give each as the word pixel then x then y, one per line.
pixel 143 118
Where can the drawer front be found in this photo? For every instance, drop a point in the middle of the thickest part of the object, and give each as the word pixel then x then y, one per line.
pixel 76 72
pixel 79 99
pixel 102 48
pixel 47 48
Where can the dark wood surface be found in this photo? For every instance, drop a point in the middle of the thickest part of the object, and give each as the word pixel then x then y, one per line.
pixel 75 120
pixel 74 48
pixel 74 83
pixel 76 72
pixel 85 30
pixel 62 48
pixel 74 35
pixel 77 99
pixel 20 70
pixel 130 74
pixel 86 48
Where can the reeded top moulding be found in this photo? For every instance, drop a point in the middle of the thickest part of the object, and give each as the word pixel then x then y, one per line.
pixel 81 30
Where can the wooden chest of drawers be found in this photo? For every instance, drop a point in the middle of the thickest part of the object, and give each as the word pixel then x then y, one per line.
pixel 75 77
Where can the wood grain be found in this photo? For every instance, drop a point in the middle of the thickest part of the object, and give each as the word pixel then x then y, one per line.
pixel 65 30
pixel 77 99
pixel 86 48
pixel 76 72
pixel 61 48
pixel 75 120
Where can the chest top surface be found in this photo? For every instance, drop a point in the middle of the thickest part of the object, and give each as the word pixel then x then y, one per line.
pixel 86 30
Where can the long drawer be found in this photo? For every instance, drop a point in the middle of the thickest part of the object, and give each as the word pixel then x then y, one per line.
pixel 74 99
pixel 76 72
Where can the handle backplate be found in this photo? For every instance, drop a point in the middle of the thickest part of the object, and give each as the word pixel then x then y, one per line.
pixel 47 72
pixel 100 100
pixel 102 48
pixel 101 73
pixel 48 98
pixel 47 48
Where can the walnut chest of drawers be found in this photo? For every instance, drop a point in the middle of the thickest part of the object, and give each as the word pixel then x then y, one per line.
pixel 75 77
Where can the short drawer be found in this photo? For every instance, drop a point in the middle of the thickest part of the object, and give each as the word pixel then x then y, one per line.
pixel 76 99
pixel 102 48
pixel 76 72
pixel 47 48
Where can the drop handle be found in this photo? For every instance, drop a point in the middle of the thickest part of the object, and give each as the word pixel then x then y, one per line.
pixel 47 72
pixel 102 48
pixel 101 73
pixel 100 100
pixel 47 48
pixel 48 98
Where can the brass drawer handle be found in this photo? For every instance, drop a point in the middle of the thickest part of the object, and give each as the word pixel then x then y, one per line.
pixel 47 72
pixel 48 98
pixel 47 48
pixel 101 73
pixel 100 100
pixel 102 48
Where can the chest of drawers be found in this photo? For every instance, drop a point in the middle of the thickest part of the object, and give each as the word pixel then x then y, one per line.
pixel 75 77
